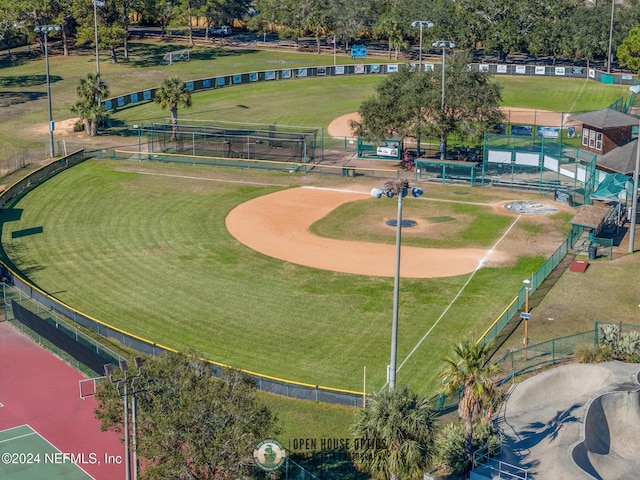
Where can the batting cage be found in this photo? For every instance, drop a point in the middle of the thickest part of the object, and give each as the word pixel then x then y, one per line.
pixel 232 140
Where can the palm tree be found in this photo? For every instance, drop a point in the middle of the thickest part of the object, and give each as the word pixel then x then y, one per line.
pixel 90 91
pixel 172 93
pixel 469 370
pixel 393 435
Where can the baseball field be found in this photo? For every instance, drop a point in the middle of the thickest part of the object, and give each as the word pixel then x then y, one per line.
pixel 173 253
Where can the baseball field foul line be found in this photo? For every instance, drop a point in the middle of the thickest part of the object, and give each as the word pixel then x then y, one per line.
pixel 458 294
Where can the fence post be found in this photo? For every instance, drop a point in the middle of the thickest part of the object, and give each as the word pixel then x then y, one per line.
pixel 513 367
pixel 553 351
pixel 595 334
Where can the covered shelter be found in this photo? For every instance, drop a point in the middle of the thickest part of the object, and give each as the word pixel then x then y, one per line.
pixel 610 190
pixel 590 218
pixel 589 221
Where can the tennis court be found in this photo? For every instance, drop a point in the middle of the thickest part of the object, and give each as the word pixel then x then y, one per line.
pixel 25 454
pixel 46 429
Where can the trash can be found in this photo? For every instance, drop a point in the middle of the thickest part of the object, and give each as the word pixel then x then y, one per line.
pixel 593 250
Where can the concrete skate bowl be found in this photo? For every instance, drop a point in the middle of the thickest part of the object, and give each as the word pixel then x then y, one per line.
pixel 611 441
pixel 567 384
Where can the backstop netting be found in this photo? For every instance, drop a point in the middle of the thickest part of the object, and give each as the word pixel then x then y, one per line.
pixel 538 162
pixel 512 161
pixel 234 140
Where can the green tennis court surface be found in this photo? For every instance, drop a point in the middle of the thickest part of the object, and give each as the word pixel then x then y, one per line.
pixel 25 454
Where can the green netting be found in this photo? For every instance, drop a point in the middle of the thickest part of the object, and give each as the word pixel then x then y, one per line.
pixel 10 294
pixel 234 140
pixel 212 161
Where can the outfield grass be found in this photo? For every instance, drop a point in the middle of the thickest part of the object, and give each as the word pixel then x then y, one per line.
pixel 154 267
pixel 304 102
pixel 559 94
pixel 150 254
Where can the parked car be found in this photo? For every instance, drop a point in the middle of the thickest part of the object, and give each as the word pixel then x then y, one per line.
pixel 220 31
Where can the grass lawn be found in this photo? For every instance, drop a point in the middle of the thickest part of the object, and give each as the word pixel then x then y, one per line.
pixel 558 94
pixel 312 102
pixel 150 254
pixel 125 247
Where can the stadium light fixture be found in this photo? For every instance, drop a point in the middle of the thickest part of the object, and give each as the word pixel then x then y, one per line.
pixel 45 29
pixel 399 188
pixel 421 24
pixel 634 204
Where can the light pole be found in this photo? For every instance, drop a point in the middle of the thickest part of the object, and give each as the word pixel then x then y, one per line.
pixel 128 386
pixel 634 202
pixel 526 315
pixel 96 4
pixel 334 50
pixel 613 6
pixel 45 29
pixel 421 24
pixel 401 189
pixel 444 44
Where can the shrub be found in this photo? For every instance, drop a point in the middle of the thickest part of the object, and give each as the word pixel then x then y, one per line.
pixel 635 358
pixel 608 334
pixel 449 445
pixel 592 353
pixel 629 344
pixel 624 346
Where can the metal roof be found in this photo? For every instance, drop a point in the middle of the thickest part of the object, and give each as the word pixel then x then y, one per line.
pixel 606 118
pixel 621 159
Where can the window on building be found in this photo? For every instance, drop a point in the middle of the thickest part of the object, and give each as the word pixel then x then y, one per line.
pixel 591 139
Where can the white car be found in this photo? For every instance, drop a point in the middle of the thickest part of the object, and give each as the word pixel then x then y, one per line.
pixel 221 31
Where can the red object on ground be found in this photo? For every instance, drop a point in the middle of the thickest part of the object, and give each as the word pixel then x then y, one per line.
pixel 579 266
pixel 40 390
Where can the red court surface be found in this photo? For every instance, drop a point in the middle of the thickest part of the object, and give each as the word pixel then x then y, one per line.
pixel 39 389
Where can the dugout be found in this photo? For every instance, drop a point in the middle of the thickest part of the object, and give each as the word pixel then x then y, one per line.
pixel 447 171
pixel 590 221
pixel 382 150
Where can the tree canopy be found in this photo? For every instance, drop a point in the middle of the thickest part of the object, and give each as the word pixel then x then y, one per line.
pixel 569 29
pixel 190 425
pixel 393 436
pixel 171 94
pixel 468 369
pixel 409 104
pixel 88 106
pixel 629 51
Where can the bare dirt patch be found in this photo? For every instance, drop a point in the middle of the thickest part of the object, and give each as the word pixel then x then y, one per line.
pixel 341 126
pixel 63 127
